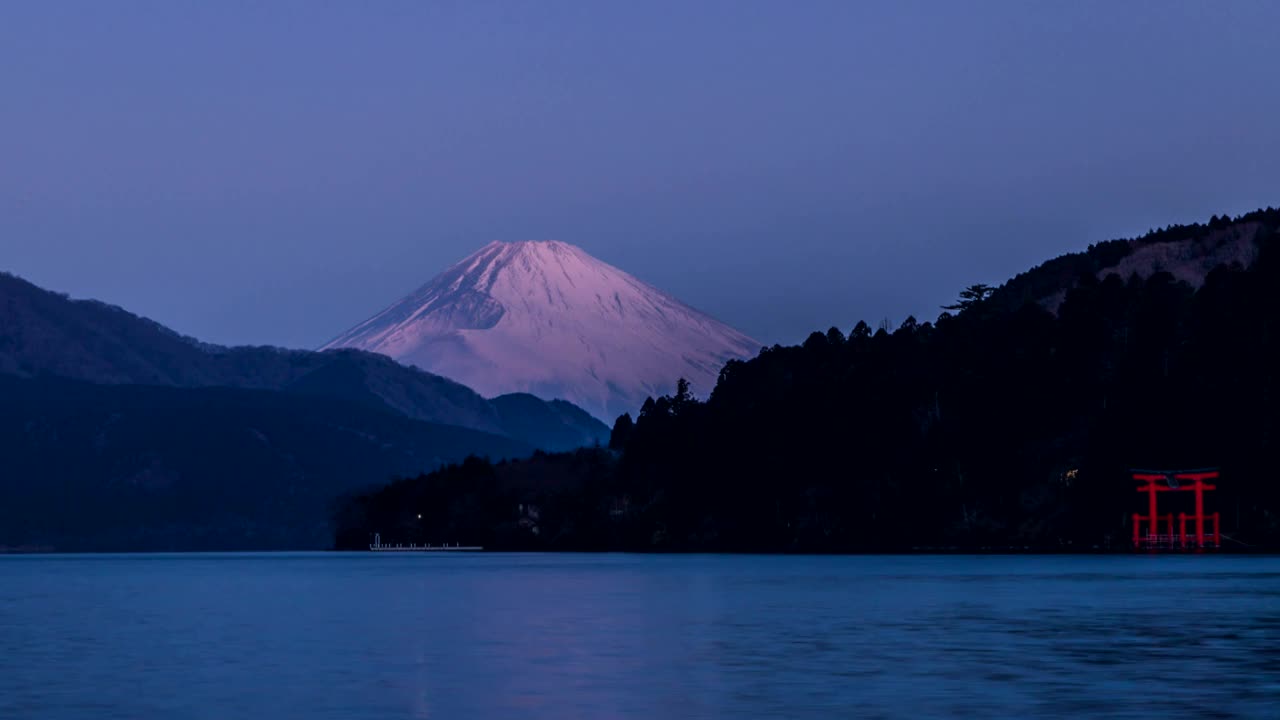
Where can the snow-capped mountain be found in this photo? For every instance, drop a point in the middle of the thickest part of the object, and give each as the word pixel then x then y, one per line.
pixel 548 319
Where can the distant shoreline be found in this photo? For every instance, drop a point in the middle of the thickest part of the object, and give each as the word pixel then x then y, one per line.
pixel 44 550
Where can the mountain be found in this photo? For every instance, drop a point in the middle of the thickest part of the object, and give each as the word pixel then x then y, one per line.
pixel 1012 424
pixel 47 334
pixel 87 467
pixel 556 423
pixel 548 319
pixel 117 433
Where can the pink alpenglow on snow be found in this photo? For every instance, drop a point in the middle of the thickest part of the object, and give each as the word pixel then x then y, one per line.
pixel 548 319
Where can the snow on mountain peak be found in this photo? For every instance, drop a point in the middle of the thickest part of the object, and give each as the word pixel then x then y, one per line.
pixel 546 318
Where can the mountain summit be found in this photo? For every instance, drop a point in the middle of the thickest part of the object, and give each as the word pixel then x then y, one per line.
pixel 546 318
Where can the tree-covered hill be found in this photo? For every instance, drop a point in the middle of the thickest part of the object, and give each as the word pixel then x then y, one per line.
pixel 87 467
pixel 1011 423
pixel 117 433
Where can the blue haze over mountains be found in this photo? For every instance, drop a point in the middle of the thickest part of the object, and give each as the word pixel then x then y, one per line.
pixel 271 175
pixel 117 433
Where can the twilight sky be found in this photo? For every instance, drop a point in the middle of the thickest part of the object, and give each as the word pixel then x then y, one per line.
pixel 275 172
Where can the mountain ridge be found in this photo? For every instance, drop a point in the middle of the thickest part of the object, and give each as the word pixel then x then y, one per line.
pixel 117 433
pixel 1188 252
pixel 546 318
pixel 47 333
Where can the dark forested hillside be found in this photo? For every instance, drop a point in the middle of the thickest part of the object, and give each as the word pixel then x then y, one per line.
pixel 134 467
pixel 117 433
pixel 1188 252
pixel 1010 422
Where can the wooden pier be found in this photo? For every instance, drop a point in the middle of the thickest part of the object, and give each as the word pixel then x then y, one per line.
pixel 377 546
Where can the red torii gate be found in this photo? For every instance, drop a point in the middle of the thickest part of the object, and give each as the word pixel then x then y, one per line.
pixel 1172 482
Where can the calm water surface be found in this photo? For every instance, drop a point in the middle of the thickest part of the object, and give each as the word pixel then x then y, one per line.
pixel 320 636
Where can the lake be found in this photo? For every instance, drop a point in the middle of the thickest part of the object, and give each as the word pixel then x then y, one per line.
pixel 327 635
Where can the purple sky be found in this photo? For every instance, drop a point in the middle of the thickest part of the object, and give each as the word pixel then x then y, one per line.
pixel 275 172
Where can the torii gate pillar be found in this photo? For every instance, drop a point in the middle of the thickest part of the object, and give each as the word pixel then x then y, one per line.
pixel 1157 481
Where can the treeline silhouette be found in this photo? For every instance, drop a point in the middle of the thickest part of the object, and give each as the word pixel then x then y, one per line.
pixel 1001 425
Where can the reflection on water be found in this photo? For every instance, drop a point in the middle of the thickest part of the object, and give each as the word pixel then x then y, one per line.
pixel 591 636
